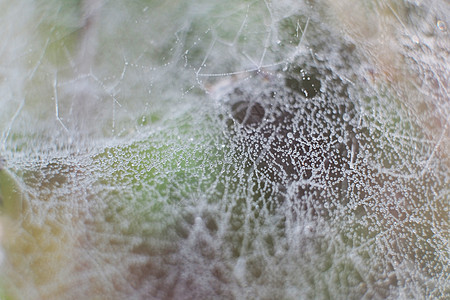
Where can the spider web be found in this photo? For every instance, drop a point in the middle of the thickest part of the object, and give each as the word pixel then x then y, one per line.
pixel 202 149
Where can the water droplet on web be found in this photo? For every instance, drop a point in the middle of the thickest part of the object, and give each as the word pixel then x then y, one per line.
pixel 346 117
pixel 441 25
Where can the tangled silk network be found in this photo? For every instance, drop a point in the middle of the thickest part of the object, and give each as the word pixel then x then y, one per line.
pixel 224 149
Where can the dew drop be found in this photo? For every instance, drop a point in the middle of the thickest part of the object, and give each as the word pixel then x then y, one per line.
pixel 441 25
pixel 346 117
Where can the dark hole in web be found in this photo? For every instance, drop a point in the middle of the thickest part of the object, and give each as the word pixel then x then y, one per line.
pixel 292 140
pixel 302 82
pixel 248 113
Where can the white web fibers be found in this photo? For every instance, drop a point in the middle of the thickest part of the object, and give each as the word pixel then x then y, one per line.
pixel 251 149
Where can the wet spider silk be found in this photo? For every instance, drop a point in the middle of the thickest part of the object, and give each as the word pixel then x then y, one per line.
pixel 207 150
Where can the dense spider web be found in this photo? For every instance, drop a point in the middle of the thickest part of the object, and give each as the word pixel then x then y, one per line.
pixel 202 149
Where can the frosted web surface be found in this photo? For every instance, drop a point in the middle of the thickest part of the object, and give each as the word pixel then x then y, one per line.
pixel 239 150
